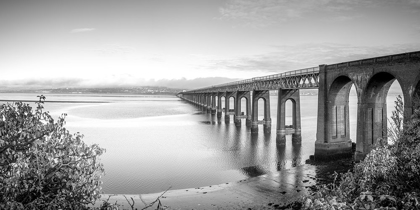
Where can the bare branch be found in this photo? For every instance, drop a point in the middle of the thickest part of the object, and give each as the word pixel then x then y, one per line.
pixel 157 199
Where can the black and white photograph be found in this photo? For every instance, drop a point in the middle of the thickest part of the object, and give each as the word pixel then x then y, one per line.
pixel 209 104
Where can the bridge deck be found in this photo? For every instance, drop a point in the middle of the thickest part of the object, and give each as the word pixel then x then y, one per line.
pixel 298 79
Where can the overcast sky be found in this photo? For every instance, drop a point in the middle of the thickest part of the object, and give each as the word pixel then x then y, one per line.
pixel 192 43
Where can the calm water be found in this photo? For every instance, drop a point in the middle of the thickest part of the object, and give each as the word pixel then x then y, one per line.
pixel 155 142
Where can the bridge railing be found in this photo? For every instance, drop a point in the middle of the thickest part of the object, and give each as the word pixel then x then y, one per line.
pixel 294 73
pixel 313 70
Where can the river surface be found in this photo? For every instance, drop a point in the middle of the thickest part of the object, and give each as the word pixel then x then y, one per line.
pixel 156 142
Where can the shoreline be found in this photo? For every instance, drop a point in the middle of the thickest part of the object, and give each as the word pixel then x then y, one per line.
pixel 75 102
pixel 267 191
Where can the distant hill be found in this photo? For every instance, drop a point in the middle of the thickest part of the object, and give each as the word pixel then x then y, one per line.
pixel 144 90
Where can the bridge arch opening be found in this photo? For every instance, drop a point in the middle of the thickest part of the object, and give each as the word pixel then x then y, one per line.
pixel 231 103
pixel 290 113
pixel 394 91
pixel 380 95
pixel 261 108
pixel 338 106
pixel 353 101
pixel 244 105
pixel 222 100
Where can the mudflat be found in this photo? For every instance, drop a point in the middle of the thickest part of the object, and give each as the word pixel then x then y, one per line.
pixel 270 191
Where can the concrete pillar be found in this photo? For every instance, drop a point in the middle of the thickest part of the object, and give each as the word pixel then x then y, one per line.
pixel 267 115
pixel 248 109
pixel 254 118
pixel 372 128
pixel 227 103
pixel 213 103
pixel 208 102
pixel 283 96
pixel 297 135
pixel 219 105
pixel 202 102
pixel 227 117
pixel 267 118
pixel 237 108
pixel 204 108
pixel 332 138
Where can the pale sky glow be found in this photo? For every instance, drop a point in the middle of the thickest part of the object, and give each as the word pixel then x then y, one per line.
pixel 192 43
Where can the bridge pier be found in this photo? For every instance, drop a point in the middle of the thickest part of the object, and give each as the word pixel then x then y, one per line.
pixel 256 95
pixel 236 118
pixel 227 117
pixel 219 106
pixel 213 103
pixel 205 103
pixel 371 129
pixel 333 130
pixel 238 107
pixel 209 107
pixel 227 105
pixel 295 129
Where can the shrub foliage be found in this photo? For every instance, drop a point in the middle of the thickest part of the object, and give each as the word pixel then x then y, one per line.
pixel 388 177
pixel 42 165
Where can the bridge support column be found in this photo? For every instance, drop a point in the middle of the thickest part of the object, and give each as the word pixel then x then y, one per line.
pixel 228 111
pixel 203 103
pixel 213 104
pixel 372 128
pixel 227 117
pixel 209 102
pixel 267 115
pixel 238 107
pixel 236 117
pixel 267 118
pixel 295 128
pixel 219 105
pixel 332 137
pixel 200 100
pixel 248 121
pixel 297 135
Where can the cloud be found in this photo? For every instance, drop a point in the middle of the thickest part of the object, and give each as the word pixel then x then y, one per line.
pixel 292 57
pixel 117 81
pixel 113 50
pixel 39 83
pixel 262 13
pixel 80 30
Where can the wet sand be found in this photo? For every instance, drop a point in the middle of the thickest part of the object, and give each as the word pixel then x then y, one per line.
pixel 270 191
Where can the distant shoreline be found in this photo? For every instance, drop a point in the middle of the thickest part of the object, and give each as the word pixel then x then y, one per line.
pixel 90 102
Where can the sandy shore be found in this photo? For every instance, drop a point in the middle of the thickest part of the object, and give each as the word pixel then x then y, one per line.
pixel 269 191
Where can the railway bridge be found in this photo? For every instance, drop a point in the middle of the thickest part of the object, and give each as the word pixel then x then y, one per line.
pixel 371 78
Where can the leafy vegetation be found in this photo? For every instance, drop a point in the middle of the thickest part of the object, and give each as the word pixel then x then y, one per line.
pixel 388 178
pixel 42 165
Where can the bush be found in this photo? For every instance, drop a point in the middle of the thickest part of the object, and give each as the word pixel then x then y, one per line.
pixel 42 165
pixel 388 177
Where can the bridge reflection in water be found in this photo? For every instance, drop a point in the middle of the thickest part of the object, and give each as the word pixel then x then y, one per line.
pixel 254 153
pixel 371 78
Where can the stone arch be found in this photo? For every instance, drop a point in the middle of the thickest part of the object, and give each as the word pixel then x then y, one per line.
pixel 231 102
pixel 338 109
pixel 222 102
pixel 247 108
pixel 415 97
pixel 294 114
pixel 265 96
pixel 373 124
